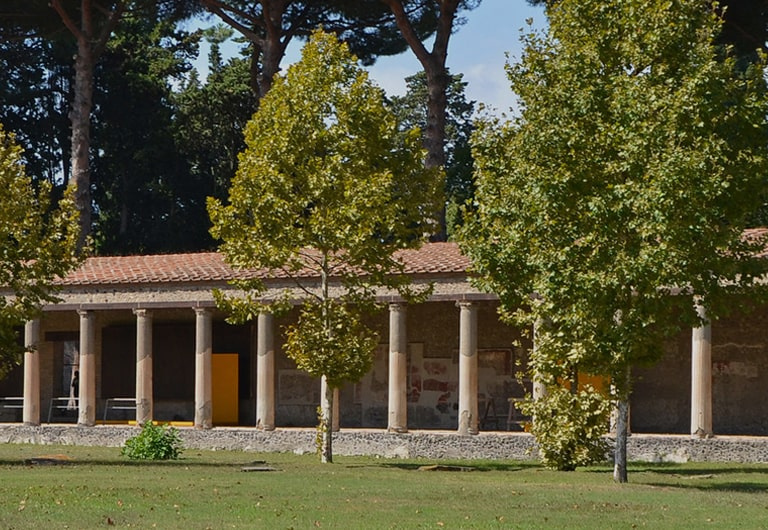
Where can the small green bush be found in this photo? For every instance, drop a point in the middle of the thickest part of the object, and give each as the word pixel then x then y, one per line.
pixel 569 428
pixel 154 442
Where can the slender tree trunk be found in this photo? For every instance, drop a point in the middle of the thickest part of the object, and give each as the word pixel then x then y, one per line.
pixel 80 117
pixel 273 45
pixel 620 455
pixel 326 421
pixel 326 390
pixel 434 135
pixel 621 383
pixel 90 45
pixel 266 33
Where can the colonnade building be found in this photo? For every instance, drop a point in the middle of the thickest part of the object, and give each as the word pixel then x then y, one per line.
pixel 147 342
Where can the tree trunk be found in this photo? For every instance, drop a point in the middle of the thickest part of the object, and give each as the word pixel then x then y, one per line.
pixel 273 46
pixel 434 135
pixel 438 79
pixel 89 46
pixel 326 421
pixel 268 38
pixel 620 454
pixel 80 116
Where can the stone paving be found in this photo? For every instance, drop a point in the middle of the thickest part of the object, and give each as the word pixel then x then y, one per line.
pixel 414 444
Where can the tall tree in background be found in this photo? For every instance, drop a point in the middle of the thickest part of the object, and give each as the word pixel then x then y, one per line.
pixel 35 76
pixel 209 122
pixel 329 187
pixel 271 25
pixel 37 245
pixel 618 197
pixel 145 200
pixel 412 111
pixel 445 13
pixel 91 25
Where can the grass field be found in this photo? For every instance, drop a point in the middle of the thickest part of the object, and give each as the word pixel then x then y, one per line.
pixel 96 488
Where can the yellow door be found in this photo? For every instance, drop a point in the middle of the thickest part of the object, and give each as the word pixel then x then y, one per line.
pixel 224 389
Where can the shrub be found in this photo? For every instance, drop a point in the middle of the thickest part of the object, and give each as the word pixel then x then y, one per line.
pixel 569 428
pixel 154 442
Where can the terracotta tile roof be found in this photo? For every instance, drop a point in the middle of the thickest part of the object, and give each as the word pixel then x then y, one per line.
pixel 431 258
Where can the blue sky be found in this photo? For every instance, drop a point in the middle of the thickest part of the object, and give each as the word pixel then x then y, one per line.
pixel 477 49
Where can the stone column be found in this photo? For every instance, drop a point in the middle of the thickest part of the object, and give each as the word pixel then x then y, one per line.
pixel 203 376
pixel 398 366
pixel 265 372
pixel 87 394
pixel 336 416
pixel 701 378
pixel 468 415
pixel 31 410
pixel 144 399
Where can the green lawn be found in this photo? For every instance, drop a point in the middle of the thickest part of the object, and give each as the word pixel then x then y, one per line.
pixel 205 489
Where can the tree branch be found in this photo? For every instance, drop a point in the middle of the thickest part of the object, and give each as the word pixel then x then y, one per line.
pixel 220 9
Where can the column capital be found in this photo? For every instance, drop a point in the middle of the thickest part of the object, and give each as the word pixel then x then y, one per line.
pixel 142 313
pixel 85 313
pixel 466 304
pixel 394 307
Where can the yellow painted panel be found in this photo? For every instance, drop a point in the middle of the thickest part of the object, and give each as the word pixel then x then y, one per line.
pixel 598 382
pixel 224 389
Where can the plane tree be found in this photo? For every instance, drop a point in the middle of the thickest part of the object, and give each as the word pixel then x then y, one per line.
pixel 328 187
pixel 611 211
pixel 38 246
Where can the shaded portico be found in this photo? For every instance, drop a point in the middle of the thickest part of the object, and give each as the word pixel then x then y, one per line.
pixel 440 362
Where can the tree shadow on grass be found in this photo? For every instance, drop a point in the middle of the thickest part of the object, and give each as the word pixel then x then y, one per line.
pixel 733 487
pixel 452 465
pixel 687 470
pixel 35 462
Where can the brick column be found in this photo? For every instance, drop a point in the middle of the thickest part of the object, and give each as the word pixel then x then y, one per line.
pixel 398 365
pixel 701 378
pixel 265 372
pixel 468 414
pixel 31 410
pixel 144 399
pixel 87 394
pixel 203 381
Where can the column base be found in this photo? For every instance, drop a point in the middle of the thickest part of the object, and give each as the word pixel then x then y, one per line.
pixel 397 430
pixel 701 434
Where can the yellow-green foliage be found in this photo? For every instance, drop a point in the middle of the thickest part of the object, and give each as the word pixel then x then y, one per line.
pixel 37 245
pixel 328 184
pixel 569 427
pixel 622 189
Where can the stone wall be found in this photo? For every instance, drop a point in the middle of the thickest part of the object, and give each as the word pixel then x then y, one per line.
pixel 418 444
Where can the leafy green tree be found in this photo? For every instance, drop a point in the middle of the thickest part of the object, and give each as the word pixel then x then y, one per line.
pixel 88 26
pixel 209 121
pixel 412 111
pixel 328 187
pixel 38 245
pixel 620 193
pixel 35 78
pixel 745 25
pixel 144 195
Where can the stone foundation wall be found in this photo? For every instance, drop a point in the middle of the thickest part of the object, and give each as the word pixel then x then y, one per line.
pixel 417 444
